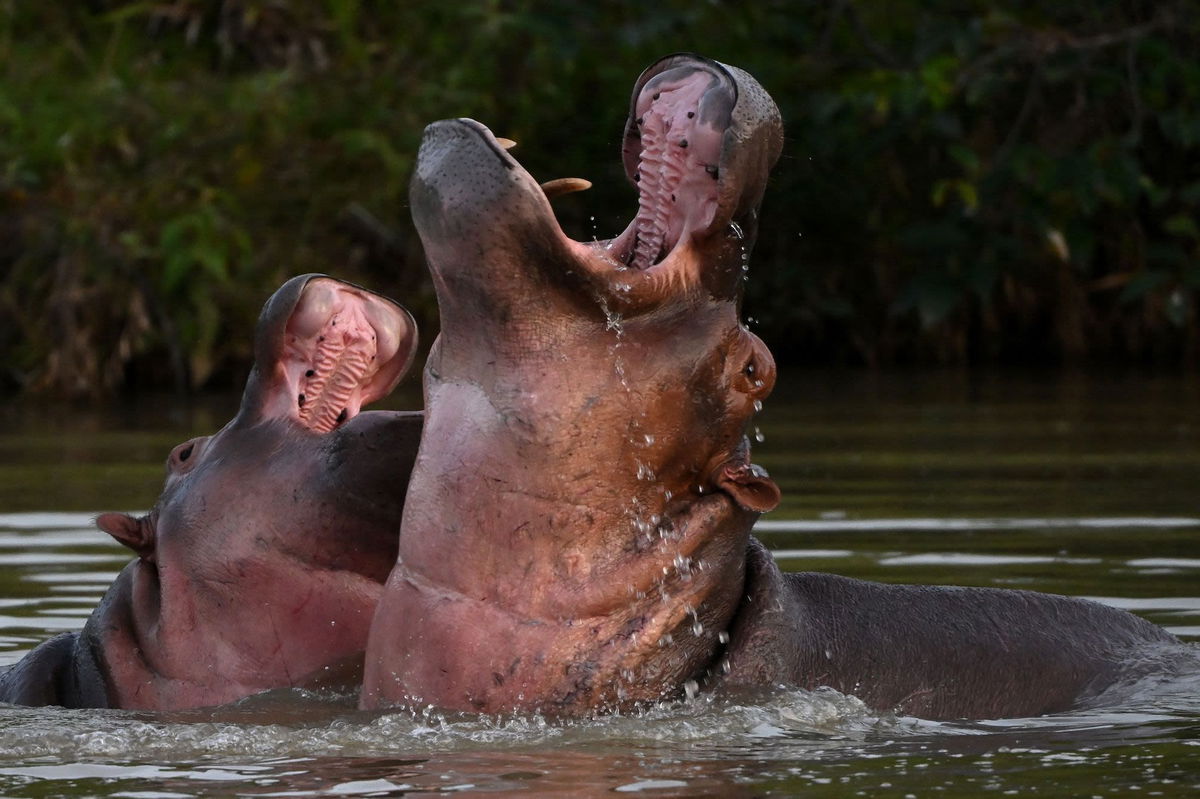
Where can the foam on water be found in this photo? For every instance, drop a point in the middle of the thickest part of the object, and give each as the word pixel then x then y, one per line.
pixel 291 724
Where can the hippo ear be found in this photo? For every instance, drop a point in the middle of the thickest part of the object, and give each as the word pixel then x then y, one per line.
pixel 137 534
pixel 324 348
pixel 750 486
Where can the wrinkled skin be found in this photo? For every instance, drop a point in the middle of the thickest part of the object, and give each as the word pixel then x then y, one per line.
pixel 577 538
pixel 262 561
pixel 577 520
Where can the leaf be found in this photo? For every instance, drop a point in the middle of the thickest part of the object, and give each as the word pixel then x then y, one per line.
pixel 1182 225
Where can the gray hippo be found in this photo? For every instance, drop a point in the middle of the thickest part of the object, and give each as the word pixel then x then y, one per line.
pixel 577 532
pixel 260 565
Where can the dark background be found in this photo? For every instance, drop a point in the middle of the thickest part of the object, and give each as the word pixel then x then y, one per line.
pixel 969 183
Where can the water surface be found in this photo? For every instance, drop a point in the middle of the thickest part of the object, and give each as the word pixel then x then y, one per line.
pixel 1076 485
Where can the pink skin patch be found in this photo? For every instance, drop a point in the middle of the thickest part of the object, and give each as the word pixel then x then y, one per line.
pixel 677 168
pixel 334 348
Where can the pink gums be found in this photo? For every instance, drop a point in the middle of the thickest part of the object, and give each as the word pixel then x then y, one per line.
pixel 333 352
pixel 677 170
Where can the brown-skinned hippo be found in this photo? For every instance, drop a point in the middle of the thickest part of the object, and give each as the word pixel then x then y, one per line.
pixel 260 565
pixel 576 528
pixel 576 537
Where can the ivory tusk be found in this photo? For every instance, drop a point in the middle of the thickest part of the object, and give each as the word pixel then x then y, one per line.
pixel 561 186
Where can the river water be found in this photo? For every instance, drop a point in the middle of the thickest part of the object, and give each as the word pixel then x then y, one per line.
pixel 1082 485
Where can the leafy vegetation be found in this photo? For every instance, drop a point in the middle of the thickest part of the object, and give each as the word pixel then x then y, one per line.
pixel 962 182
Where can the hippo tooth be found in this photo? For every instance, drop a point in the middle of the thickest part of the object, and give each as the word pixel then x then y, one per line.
pixel 561 186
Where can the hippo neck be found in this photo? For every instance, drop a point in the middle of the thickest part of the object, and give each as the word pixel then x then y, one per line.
pixel 569 581
pixel 567 458
pixel 162 650
pixel 461 649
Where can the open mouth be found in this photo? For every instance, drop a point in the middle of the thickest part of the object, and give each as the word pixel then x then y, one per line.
pixel 674 148
pixel 674 142
pixel 342 350
pixel 699 143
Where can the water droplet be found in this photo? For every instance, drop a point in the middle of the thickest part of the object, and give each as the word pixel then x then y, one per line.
pixel 691 688
pixel 758 405
pixel 758 435
pixel 723 636
pixel 649 439
pixel 828 654
pixel 697 628
pixel 725 666
pixel 736 229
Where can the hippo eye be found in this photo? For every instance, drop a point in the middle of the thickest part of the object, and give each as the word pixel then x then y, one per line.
pixel 186 452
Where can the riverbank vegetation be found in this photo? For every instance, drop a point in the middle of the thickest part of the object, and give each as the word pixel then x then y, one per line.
pixel 963 182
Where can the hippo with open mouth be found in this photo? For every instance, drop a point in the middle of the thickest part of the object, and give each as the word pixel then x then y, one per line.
pixel 261 563
pixel 576 537
pixel 576 527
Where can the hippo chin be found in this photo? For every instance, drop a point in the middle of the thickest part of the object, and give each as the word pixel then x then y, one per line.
pixel 577 533
pixel 262 561
pixel 577 521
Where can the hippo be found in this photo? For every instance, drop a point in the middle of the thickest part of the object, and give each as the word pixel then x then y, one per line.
pixel 260 564
pixel 576 537
pixel 576 526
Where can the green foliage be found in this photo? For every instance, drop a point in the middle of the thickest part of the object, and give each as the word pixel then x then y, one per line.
pixel 961 182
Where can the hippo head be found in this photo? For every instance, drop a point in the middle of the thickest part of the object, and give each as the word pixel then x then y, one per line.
pixel 264 555
pixel 583 490
pixel 657 306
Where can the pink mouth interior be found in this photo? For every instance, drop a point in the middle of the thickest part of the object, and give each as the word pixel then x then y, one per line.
pixel 677 167
pixel 336 346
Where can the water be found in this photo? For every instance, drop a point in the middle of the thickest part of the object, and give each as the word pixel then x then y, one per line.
pixel 1084 486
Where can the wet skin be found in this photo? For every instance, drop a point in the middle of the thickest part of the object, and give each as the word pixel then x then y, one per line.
pixel 262 561
pixel 576 537
pixel 940 652
pixel 578 516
